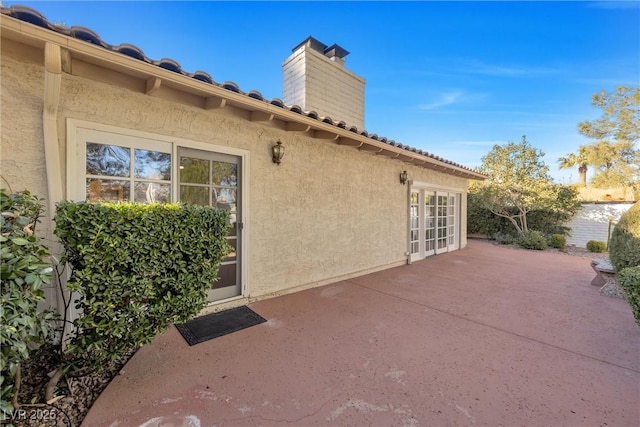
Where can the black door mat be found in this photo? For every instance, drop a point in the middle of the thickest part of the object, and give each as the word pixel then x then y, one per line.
pixel 215 325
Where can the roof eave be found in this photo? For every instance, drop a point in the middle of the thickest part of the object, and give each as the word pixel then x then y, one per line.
pixel 215 96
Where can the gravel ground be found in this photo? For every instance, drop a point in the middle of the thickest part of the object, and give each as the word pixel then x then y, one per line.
pixel 74 396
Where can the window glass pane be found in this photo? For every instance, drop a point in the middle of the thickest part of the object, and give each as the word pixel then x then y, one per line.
pixel 152 165
pixel 414 198
pixel 109 160
pixel 225 174
pixel 194 195
pixel 107 190
pixel 194 171
pixel 151 192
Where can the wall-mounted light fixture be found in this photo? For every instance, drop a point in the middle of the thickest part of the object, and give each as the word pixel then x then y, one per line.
pixel 403 177
pixel 278 152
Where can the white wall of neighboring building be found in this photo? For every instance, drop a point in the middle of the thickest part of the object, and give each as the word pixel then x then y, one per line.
pixel 592 222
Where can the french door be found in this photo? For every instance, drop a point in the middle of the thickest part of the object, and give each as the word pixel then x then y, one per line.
pixel 213 179
pixel 434 222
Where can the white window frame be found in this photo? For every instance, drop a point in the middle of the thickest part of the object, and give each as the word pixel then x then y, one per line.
pixel 80 131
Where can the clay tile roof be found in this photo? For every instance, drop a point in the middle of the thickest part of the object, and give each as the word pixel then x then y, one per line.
pixel 131 50
pixel 31 16
pixel 203 77
pixel 255 95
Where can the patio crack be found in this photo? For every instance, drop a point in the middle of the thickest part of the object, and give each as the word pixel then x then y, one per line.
pixel 637 371
pixel 302 417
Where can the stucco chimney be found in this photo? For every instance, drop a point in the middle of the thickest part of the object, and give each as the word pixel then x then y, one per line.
pixel 315 78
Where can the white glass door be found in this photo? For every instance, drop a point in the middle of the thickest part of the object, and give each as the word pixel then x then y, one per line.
pixel 442 211
pixel 414 226
pixel 212 179
pixel 429 223
pixel 452 222
pixel 434 218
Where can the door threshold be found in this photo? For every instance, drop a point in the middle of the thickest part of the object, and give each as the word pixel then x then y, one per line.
pixel 224 301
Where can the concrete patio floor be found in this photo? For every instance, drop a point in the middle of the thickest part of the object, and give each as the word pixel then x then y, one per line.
pixel 486 335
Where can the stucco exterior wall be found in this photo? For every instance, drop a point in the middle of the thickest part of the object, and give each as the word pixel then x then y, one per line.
pixel 327 211
pixel 592 222
pixel 22 161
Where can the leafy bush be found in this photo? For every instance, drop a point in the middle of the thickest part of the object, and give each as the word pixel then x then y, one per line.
pixel 533 239
pixel 138 269
pixel 597 246
pixel 558 241
pixel 624 247
pixel 24 272
pixel 629 279
pixel 550 220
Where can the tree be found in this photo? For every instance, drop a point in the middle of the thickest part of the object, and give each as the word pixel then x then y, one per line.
pixel 519 183
pixel 581 160
pixel 613 153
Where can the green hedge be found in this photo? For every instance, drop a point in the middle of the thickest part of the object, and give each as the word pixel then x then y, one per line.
pixel 533 239
pixel 596 246
pixel 25 270
pixel 558 241
pixel 630 281
pixel 624 246
pixel 137 269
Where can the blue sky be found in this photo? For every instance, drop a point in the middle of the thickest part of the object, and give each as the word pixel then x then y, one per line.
pixel 452 78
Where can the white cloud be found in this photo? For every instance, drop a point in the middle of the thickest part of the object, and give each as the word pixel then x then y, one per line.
pixel 444 99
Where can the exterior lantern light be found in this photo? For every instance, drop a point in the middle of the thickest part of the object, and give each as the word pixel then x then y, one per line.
pixel 403 177
pixel 278 152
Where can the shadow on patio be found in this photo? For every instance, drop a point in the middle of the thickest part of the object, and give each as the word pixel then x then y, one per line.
pixel 487 336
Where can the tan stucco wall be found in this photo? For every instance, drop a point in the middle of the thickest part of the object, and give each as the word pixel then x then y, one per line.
pixel 327 211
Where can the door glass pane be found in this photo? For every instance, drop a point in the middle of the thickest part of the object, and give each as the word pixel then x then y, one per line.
pixel 194 195
pixel 224 198
pixel 151 192
pixel 224 174
pixel 109 160
pixel 107 190
pixel 194 171
pixel 152 165
pixel 226 276
pixel 232 255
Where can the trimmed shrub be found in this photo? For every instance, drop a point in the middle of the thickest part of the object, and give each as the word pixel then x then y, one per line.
pixel 24 271
pixel 629 279
pixel 597 246
pixel 533 239
pixel 137 269
pixel 624 247
pixel 558 241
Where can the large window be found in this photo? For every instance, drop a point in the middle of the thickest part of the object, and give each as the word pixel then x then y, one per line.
pixel 115 173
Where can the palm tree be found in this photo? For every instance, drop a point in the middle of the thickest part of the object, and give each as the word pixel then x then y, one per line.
pixel 581 160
